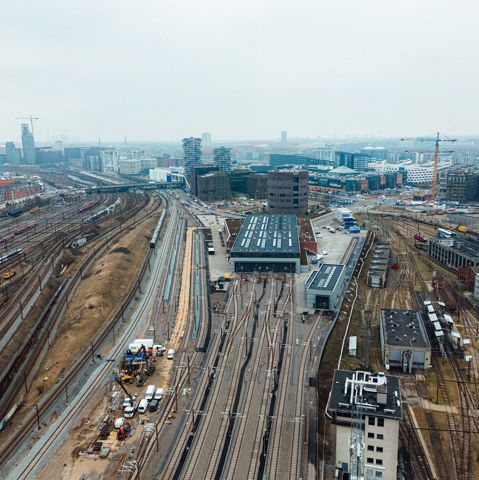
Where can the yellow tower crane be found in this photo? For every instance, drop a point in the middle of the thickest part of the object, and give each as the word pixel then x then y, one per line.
pixel 436 155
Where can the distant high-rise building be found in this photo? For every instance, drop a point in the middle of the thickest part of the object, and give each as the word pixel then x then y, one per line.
pixel 222 159
pixel 288 191
pixel 191 154
pixel 28 145
pixel 14 155
pixel 206 139
pixel 284 138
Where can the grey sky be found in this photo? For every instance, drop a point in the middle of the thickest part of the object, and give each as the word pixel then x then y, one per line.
pixel 162 70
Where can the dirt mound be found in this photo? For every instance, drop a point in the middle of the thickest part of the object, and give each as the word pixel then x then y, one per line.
pixel 120 250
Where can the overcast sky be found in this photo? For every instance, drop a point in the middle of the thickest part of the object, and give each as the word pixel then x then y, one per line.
pixel 163 70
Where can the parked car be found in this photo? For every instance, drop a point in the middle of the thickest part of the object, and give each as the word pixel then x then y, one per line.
pixel 159 394
pixel 143 406
pixel 171 354
pixel 130 411
pixel 324 252
pixel 154 405
pixel 127 403
pixel 150 392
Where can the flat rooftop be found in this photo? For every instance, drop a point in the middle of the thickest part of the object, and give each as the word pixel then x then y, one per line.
pixel 403 328
pixel 388 407
pixel 268 234
pixel 234 225
pixel 325 278
pixel 305 230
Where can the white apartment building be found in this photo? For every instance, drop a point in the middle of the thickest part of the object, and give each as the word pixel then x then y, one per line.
pixel 415 173
pixel 366 411
pixel 130 167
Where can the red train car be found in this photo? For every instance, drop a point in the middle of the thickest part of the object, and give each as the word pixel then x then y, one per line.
pixel 420 238
pixel 7 238
pixel 19 231
pixel 90 205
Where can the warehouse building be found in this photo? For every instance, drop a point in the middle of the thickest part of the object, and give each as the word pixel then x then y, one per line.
pixel 323 287
pixel 269 243
pixel 404 342
pixel 375 404
pixel 378 269
pixel 462 251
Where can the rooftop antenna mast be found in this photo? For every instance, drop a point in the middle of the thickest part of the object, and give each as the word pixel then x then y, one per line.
pixel 31 118
pixel 356 444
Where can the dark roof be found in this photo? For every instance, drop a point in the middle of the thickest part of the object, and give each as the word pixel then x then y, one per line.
pixel 403 328
pixel 325 278
pixel 268 233
pixel 340 402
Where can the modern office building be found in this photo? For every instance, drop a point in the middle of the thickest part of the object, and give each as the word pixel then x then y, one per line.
pixel 196 172
pixel 269 243
pixel 360 162
pixel 462 186
pixel 404 341
pixel 110 160
pixel 213 187
pixel 279 159
pixel 28 143
pixel 345 159
pixel 72 152
pixel 366 412
pixel 48 156
pixel 222 159
pixel 191 154
pixel 288 191
pixel 323 287
pixel 14 155
pixel 206 139
pixel 284 138
pixel 257 186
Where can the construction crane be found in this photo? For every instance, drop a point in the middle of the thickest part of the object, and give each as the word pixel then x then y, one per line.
pixel 436 155
pixel 31 118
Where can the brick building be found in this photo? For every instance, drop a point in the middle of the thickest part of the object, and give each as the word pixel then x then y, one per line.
pixel 13 194
pixel 468 275
pixel 196 172
pixel 257 186
pixel 213 186
pixel 288 191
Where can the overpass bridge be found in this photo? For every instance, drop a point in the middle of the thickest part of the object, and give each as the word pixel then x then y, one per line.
pixel 126 186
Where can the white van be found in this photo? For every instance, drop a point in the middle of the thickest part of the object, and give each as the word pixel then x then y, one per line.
pixel 150 392
pixel 171 352
pixel 143 406
pixel 159 394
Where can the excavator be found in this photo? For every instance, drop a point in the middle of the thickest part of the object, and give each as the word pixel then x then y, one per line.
pixel 119 381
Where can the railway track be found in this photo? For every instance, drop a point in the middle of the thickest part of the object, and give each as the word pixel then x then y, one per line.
pixel 43 406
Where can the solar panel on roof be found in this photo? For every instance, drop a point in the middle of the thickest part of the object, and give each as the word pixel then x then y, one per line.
pixel 290 242
pixel 328 270
pixel 247 243
pixel 259 241
pixel 321 283
pixel 279 242
pixel 263 243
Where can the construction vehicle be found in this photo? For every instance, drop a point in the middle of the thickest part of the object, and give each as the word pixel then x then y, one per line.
pixel 34 209
pixel 141 380
pixel 462 229
pixel 9 274
pixel 124 389
pixel 124 431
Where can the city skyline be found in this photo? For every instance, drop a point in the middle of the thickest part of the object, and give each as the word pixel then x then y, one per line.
pixel 309 69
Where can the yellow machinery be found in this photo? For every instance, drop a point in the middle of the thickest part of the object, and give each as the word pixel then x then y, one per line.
pixel 34 209
pixel 9 274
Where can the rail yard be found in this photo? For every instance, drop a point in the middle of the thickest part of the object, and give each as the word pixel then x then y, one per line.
pixel 187 378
